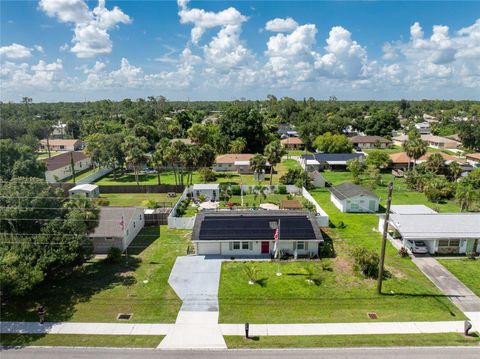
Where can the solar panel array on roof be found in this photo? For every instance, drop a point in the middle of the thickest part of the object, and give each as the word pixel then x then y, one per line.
pixel 249 227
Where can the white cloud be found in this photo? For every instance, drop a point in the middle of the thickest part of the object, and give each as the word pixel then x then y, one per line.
pixel 42 75
pixel 15 51
pixel 91 37
pixel 281 25
pixel 203 20
pixel 39 49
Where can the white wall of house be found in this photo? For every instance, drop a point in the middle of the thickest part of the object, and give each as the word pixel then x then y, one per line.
pixel 224 167
pixel 207 193
pixel 135 225
pixel 66 171
pixel 356 204
pixel 253 247
pixel 368 145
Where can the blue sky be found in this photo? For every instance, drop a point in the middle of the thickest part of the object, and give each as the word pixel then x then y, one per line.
pixel 55 50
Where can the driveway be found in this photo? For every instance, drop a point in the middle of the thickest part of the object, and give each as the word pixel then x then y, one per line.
pixel 196 280
pixel 456 291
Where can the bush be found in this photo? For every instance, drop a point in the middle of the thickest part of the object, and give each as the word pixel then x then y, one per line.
pixel 402 252
pixel 309 206
pixel 114 255
pixel 282 189
pixel 102 202
pixel 236 190
pixel 150 203
pixel 207 174
pixel 366 261
pixel 326 250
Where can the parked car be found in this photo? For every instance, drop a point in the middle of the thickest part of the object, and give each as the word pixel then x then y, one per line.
pixel 417 247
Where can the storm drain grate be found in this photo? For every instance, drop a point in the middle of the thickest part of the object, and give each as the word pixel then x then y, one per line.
pixel 124 316
pixel 372 315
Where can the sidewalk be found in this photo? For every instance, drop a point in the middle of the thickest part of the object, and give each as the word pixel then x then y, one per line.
pixel 195 320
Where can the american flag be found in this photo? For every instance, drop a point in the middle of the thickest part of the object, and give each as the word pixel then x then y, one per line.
pixel 275 236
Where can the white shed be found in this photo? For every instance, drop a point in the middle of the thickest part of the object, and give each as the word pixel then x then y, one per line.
pixel 208 190
pixel 349 197
pixel 87 190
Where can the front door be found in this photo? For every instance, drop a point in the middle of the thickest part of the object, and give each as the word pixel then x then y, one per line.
pixel 265 247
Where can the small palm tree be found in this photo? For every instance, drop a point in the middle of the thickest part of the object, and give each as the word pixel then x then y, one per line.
pixel 274 152
pixel 257 163
pixel 251 270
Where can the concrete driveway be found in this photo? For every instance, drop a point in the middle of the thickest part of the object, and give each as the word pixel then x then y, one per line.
pixel 196 280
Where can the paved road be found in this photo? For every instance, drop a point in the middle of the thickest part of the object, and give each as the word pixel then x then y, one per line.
pixel 355 353
pixel 456 291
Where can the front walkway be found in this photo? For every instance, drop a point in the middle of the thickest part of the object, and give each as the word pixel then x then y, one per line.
pixel 455 290
pixel 196 280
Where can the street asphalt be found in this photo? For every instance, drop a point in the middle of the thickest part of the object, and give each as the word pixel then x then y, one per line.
pixel 339 353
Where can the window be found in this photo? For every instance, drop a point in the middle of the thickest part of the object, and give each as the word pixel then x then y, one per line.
pixel 245 245
pixel 236 245
pixel 133 224
pixel 354 206
pixel 454 243
pixel 443 243
pixel 62 147
pixel 140 216
pixel 300 246
pixel 449 243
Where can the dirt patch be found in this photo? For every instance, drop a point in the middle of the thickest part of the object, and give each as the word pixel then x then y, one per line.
pixel 343 265
pixel 398 274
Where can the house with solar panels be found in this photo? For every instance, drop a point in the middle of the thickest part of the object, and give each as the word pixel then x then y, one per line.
pixel 252 233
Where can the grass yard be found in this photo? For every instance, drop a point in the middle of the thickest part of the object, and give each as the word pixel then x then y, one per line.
pixel 42 155
pixel 136 199
pixel 291 164
pixel 297 152
pixel 466 270
pixel 99 291
pixel 344 341
pixel 391 150
pixel 344 295
pixel 249 199
pixel 72 340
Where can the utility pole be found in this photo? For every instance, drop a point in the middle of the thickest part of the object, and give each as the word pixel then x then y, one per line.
pixel 384 238
pixel 72 164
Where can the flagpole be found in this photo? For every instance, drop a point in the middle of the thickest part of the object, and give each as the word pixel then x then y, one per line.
pixel 278 250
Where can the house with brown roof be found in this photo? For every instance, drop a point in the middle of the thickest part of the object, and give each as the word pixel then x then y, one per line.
pixel 292 143
pixel 60 167
pixel 366 142
pixel 60 145
pixel 400 160
pixel 239 162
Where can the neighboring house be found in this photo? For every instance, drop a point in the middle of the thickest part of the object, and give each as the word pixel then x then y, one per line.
pixel 443 233
pixel 59 167
pixel 292 143
pixel 59 130
pixel 117 227
pixel 423 128
pixel 60 145
pixel 432 141
pixel 333 161
pixel 473 159
pixel 400 160
pixel 86 190
pixel 349 197
pixel 286 130
pixel 251 233
pixel 367 142
pixel 429 118
pixel 208 191
pixel 233 162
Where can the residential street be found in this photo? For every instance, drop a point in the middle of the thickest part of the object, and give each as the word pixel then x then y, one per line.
pixel 356 353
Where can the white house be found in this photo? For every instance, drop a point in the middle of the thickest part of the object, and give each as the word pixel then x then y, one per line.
pixel 227 162
pixel 60 167
pixel 210 191
pixel 423 128
pixel 117 227
pixel 349 197
pixel 86 190
pixel 366 142
pixel 443 233
pixel 251 233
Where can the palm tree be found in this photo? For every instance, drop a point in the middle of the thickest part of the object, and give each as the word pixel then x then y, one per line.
pixel 135 149
pixel 274 152
pixel 414 147
pixel 83 209
pixel 158 157
pixel 466 194
pixel 454 170
pixel 257 163
pixel 238 145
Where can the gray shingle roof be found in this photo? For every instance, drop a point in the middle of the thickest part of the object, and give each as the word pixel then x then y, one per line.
pixel 349 190
pixel 110 221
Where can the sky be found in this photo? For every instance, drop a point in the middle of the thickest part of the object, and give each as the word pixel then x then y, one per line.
pixel 76 50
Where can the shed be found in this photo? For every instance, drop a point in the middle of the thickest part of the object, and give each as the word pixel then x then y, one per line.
pixel 208 190
pixel 349 197
pixel 87 190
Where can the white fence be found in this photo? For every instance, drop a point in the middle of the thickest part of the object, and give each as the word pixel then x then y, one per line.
pixel 94 176
pixel 180 222
pixel 322 216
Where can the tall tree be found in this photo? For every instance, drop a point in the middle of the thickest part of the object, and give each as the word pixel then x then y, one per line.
pixel 135 149
pixel 238 145
pixel 257 163
pixel 274 152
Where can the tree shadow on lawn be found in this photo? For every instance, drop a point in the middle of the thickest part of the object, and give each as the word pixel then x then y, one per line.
pixel 437 298
pixel 143 240
pixel 59 297
pixel 16 341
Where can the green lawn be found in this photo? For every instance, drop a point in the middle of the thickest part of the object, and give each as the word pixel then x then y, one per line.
pixel 343 295
pixel 391 150
pixel 291 164
pixel 343 341
pixel 297 152
pixel 72 340
pixel 249 200
pixel 467 270
pixel 168 177
pixel 99 291
pixel 136 199
pixel 41 155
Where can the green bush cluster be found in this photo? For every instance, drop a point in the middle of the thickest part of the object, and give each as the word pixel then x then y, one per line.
pixel 366 261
